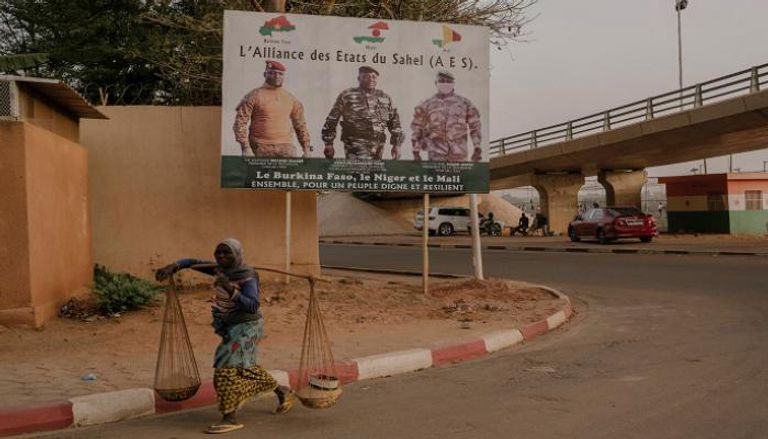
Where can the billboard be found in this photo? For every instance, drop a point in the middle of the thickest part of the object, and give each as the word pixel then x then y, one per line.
pixel 349 104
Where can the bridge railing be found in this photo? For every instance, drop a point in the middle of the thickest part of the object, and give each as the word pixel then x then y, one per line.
pixel 694 96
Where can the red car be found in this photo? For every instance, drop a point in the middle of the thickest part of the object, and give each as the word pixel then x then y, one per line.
pixel 611 223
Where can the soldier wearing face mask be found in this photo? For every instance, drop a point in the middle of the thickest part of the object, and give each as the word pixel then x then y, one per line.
pixel 441 124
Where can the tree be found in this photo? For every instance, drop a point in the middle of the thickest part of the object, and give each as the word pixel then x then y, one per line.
pixel 168 52
pixel 189 57
pixel 9 63
pixel 91 44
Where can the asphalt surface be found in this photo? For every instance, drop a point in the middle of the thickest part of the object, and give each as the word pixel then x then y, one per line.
pixel 661 347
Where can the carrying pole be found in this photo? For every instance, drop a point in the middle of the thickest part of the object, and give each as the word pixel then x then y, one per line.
pixel 425 246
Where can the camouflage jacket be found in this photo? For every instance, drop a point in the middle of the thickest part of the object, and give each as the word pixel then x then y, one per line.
pixel 440 125
pixel 365 116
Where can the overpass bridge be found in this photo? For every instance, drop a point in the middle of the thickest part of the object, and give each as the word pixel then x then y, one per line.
pixel 722 116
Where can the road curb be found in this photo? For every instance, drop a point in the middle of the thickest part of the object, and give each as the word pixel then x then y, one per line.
pixel 530 248
pixel 109 407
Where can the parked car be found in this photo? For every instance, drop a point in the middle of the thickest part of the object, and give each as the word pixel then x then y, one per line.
pixel 443 220
pixel 611 223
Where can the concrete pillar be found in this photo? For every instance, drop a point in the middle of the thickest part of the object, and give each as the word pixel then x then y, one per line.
pixel 559 200
pixel 623 188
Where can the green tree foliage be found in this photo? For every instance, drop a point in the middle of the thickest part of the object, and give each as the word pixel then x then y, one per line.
pixel 9 63
pixel 190 54
pixel 91 44
pixel 168 52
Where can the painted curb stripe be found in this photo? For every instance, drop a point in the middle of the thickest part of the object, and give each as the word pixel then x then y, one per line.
pixel 125 404
pixel 535 329
pixel 556 320
pixel 642 251
pixel 347 371
pixel 106 407
pixel 496 341
pixel 53 416
pixel 206 395
pixel 568 310
pixel 456 353
pixel 392 363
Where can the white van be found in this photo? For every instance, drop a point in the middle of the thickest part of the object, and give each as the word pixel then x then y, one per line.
pixel 444 220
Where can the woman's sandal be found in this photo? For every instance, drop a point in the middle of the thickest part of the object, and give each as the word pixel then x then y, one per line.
pixel 286 399
pixel 223 428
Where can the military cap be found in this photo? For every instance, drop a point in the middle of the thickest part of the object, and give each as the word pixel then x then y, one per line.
pixel 445 74
pixel 274 65
pixel 367 69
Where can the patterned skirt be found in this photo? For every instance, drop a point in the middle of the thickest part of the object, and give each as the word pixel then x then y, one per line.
pixel 237 377
pixel 236 385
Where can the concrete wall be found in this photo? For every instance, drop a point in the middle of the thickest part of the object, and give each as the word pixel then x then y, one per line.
pixel 38 111
pixel 155 195
pixel 45 258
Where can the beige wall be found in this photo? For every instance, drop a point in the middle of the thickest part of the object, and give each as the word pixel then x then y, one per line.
pixel 155 195
pixel 44 221
pixel 38 111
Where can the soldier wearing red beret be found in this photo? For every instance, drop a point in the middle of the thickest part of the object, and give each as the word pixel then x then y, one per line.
pixel 267 116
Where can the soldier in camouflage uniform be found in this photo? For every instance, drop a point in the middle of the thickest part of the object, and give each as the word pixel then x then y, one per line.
pixel 365 114
pixel 271 111
pixel 440 125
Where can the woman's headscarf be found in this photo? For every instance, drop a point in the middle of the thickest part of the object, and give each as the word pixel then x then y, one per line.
pixel 239 270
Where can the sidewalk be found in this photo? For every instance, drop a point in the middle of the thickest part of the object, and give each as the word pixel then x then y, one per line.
pixel 379 325
pixel 711 245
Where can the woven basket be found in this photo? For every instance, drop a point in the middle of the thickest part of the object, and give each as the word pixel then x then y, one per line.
pixel 318 399
pixel 181 394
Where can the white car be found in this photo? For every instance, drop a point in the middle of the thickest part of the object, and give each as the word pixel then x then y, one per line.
pixel 443 220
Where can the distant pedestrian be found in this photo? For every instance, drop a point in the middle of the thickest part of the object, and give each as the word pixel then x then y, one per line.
pixel 661 208
pixel 595 205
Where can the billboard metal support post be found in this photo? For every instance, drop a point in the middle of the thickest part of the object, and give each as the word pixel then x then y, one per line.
pixel 287 235
pixel 477 255
pixel 425 246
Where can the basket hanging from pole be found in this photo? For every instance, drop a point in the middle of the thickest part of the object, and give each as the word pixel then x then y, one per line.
pixel 176 374
pixel 319 385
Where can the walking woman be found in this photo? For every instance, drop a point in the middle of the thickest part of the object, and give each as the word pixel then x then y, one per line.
pixel 238 321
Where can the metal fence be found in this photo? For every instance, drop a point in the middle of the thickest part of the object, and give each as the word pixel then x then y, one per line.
pixel 718 89
pixel 8 105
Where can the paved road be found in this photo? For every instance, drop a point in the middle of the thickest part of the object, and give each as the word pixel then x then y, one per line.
pixel 661 347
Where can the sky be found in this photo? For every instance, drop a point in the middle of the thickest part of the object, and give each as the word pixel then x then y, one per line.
pixel 587 56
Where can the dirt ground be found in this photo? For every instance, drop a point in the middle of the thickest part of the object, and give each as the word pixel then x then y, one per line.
pixel 364 316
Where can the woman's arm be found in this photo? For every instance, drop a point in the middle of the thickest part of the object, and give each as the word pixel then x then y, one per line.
pixel 168 270
pixel 189 262
pixel 248 298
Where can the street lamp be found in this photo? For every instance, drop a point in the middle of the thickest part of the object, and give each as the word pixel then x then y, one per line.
pixel 679 6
